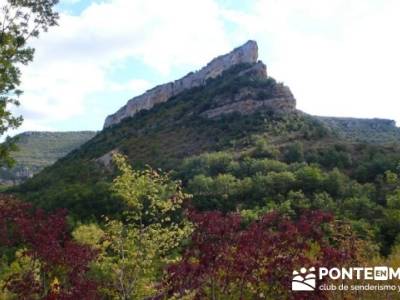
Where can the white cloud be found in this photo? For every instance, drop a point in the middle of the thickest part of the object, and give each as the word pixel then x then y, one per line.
pixel 339 57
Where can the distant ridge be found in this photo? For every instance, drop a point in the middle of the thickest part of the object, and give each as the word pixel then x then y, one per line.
pixel 373 130
pixel 39 149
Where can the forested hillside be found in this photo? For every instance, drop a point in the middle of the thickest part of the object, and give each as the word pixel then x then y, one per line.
pixel 37 150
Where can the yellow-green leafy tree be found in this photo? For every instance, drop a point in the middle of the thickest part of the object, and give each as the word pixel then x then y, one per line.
pixel 134 250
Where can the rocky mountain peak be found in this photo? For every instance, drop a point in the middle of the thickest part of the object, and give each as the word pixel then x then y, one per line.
pixel 245 54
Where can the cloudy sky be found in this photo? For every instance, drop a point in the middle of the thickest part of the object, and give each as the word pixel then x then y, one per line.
pixel 339 57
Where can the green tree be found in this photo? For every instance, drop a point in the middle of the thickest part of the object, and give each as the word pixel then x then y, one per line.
pixel 134 250
pixel 201 185
pixel 336 183
pixel 361 208
pixel 310 178
pixel 264 149
pixel 323 202
pixel 280 183
pixel 20 20
pixel 294 153
pixel 225 185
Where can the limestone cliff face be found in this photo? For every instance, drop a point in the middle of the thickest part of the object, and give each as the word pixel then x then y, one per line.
pixel 247 101
pixel 247 53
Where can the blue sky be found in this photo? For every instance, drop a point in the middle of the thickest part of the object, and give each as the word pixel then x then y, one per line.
pixel 339 57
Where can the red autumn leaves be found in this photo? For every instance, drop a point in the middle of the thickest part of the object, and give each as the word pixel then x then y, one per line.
pixel 57 267
pixel 224 257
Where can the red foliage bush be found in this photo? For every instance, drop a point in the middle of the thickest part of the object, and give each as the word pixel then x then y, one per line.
pixel 44 239
pixel 257 261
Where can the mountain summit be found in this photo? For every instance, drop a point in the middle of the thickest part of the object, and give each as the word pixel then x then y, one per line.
pixel 245 54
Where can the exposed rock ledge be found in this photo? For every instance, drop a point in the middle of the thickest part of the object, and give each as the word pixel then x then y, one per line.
pixel 247 53
pixel 249 105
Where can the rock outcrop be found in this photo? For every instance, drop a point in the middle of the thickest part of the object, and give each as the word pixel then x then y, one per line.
pixel 107 159
pixel 247 101
pixel 247 53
